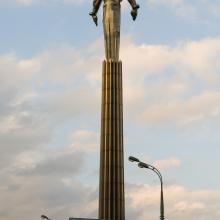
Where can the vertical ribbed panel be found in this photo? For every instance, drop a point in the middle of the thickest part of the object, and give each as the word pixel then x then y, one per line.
pixel 111 195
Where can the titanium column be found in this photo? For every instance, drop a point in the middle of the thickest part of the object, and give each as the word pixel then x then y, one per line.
pixel 111 185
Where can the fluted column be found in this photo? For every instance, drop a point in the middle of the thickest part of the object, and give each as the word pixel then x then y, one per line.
pixel 111 186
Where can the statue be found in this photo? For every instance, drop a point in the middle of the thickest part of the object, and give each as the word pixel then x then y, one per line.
pixel 111 24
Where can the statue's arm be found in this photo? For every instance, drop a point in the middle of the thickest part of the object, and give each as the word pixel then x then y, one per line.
pixel 96 6
pixel 135 7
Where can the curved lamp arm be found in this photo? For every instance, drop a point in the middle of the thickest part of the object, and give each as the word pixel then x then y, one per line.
pixel 148 166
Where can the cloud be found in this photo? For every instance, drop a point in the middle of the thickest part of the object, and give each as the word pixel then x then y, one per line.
pixel 167 163
pixel 45 129
pixel 63 164
pixel 59 76
pixel 189 9
pixel 180 203
pixel 35 164
pixel 167 2
pixel 181 8
pixel 162 85
pixel 22 132
pixel 38 95
pixel 27 3
pixel 47 195
pixel 173 85
pixel 85 140
pixel 24 2
pixel 48 178
pixel 60 195
pixel 194 111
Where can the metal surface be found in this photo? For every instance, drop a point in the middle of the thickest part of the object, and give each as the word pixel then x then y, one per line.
pixel 111 184
pixel 111 24
pixel 111 195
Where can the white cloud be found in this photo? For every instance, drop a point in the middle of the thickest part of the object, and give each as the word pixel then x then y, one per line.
pixel 182 8
pixel 166 2
pixel 48 178
pixel 180 203
pixel 204 10
pixel 32 168
pixel 194 111
pixel 167 163
pixel 26 3
pixel 85 140
pixel 162 84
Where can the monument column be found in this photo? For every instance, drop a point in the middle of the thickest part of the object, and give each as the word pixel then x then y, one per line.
pixel 111 194
pixel 111 184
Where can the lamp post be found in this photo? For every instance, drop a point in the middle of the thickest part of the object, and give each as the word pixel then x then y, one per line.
pixel 147 166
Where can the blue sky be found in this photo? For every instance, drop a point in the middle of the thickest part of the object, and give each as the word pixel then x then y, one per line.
pixel 50 73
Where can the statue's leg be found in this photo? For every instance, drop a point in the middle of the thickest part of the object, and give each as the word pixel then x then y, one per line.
pixel 111 24
pixel 116 30
pixel 106 28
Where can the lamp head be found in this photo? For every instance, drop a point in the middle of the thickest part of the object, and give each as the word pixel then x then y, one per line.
pixel 44 217
pixel 143 165
pixel 133 159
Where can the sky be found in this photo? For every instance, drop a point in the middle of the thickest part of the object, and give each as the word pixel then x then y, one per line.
pixel 50 72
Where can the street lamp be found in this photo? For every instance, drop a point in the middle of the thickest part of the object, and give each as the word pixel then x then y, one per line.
pixel 147 166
